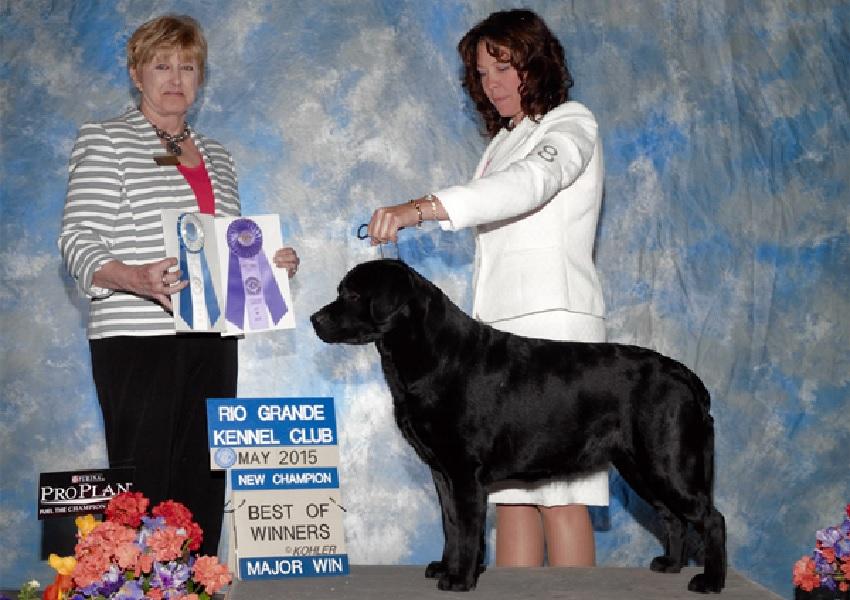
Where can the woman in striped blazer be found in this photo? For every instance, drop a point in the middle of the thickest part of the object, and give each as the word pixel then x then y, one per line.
pixel 152 384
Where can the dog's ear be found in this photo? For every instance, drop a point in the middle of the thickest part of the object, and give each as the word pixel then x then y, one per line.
pixel 393 292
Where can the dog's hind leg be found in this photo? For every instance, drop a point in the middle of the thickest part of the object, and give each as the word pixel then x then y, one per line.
pixel 674 545
pixel 693 507
pixel 713 577
pixel 675 528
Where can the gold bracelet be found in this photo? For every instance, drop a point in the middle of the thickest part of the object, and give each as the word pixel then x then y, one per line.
pixel 415 204
pixel 433 199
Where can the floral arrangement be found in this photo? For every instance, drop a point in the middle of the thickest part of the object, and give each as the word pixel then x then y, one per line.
pixel 135 556
pixel 828 566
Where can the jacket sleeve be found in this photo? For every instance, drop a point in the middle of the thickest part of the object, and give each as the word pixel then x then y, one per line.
pixel 91 207
pixel 553 164
pixel 231 185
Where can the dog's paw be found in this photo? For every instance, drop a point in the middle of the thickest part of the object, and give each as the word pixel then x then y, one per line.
pixel 702 585
pixel 448 583
pixel 435 569
pixel 665 564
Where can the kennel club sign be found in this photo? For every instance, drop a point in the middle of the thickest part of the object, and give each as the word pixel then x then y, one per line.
pixel 282 460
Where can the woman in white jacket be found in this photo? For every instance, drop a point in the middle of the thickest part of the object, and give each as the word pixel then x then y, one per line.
pixel 534 204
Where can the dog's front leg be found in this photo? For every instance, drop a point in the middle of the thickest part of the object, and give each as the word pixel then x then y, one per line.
pixel 438 568
pixel 465 511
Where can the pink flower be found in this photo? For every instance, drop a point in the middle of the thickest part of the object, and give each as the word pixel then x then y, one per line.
pixel 90 569
pixel 127 509
pixel 166 543
pixel 210 574
pixel 178 515
pixel 95 551
pixel 828 554
pixel 189 597
pixel 174 513
pixel 154 594
pixel 196 535
pixel 805 576
pixel 127 556
pixel 144 565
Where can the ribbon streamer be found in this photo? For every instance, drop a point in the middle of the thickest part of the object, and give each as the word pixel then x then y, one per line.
pixel 251 286
pixel 190 234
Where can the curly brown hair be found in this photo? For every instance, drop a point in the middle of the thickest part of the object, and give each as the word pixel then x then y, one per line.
pixel 523 39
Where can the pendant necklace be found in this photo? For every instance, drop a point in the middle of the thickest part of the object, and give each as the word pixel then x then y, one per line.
pixel 172 142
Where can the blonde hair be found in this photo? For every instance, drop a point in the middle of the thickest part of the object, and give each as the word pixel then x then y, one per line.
pixel 168 32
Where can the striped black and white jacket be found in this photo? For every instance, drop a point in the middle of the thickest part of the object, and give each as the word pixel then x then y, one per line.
pixel 116 194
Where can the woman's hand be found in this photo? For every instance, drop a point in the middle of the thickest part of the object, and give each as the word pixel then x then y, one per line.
pixel 386 221
pixel 286 258
pixel 153 280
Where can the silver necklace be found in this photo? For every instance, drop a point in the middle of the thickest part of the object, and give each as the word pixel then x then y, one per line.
pixel 172 142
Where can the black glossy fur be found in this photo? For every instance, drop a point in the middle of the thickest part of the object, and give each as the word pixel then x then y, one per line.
pixel 479 405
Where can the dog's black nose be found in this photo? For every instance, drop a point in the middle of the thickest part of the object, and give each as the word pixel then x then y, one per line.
pixel 321 324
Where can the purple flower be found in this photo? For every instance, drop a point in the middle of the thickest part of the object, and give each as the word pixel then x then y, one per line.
pixel 829 536
pixel 131 590
pixel 822 565
pixel 842 549
pixel 828 582
pixel 149 526
pixel 110 583
pixel 171 576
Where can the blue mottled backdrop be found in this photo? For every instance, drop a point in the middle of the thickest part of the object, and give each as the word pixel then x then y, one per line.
pixel 723 240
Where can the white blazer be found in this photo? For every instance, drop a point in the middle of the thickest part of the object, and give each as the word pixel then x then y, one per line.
pixel 534 203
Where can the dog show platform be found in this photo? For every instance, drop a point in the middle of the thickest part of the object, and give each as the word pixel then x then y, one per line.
pixel 408 583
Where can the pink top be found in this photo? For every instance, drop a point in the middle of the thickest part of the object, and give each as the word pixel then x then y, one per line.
pixel 199 181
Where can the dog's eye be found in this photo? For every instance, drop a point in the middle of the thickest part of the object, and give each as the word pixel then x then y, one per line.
pixel 351 296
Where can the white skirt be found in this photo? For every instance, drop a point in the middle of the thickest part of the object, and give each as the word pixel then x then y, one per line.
pixel 589 489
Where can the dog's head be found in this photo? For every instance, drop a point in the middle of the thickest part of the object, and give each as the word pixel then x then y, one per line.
pixel 373 298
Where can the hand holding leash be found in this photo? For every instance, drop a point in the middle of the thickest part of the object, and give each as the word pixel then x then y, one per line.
pixel 363 233
pixel 388 220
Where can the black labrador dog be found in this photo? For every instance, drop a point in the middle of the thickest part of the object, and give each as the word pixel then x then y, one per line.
pixel 480 405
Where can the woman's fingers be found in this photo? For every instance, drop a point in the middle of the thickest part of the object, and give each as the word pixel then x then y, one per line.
pixel 287 258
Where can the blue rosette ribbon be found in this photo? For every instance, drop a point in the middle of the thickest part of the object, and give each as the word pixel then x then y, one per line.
pixel 251 286
pixel 193 264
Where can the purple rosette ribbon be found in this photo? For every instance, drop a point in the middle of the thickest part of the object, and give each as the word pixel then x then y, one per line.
pixel 251 286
